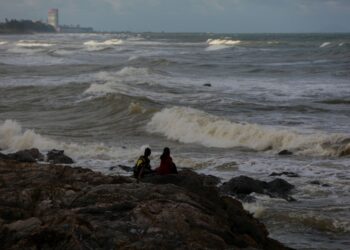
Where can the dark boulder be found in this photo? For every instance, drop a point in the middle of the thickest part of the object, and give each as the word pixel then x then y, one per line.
pixel 285 152
pixel 288 174
pixel 207 84
pixel 22 156
pixel 27 155
pixel 242 186
pixel 58 157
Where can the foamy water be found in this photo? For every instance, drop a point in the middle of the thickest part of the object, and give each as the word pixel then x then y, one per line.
pixel 224 104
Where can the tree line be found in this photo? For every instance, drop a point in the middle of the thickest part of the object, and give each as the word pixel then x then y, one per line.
pixel 24 26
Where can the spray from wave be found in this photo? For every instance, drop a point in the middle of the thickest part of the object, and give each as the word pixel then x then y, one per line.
pixel 189 125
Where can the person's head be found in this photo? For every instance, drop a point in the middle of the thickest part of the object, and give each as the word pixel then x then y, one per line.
pixel 147 152
pixel 166 152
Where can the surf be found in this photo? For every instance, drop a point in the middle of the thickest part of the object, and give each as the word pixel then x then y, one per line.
pixel 188 125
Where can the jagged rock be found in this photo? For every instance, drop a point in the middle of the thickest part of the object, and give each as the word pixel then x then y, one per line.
pixel 285 152
pixel 58 157
pixel 242 186
pixel 76 208
pixel 288 174
pixel 207 84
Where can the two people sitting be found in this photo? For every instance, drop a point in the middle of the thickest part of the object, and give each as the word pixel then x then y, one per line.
pixel 143 167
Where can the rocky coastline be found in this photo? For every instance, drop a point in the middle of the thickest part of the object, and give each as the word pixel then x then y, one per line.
pixel 50 206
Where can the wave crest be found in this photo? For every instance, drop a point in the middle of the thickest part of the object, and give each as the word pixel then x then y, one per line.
pixel 189 125
pixel 223 42
pixel 93 45
pixel 33 44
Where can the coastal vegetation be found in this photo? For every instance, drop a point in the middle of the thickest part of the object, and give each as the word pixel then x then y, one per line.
pixel 24 26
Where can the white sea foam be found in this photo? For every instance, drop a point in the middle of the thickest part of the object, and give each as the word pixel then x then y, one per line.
pixel 33 44
pixel 3 42
pixel 189 125
pixel 219 44
pixel 13 138
pixel 223 42
pixel 325 44
pixel 93 45
pixel 254 208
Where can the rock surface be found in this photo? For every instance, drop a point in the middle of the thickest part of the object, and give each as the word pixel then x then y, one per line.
pixel 58 157
pixel 242 186
pixel 59 207
pixel 288 174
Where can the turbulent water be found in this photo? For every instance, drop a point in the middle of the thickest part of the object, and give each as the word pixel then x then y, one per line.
pixel 225 105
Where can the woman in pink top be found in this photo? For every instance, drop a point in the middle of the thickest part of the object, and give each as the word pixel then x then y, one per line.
pixel 167 166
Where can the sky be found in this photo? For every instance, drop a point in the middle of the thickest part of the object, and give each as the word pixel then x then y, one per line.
pixel 219 16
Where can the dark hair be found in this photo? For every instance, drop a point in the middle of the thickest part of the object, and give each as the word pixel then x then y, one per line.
pixel 166 152
pixel 147 152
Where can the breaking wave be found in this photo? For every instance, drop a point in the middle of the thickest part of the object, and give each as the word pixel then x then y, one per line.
pixel 3 42
pixel 93 45
pixel 325 44
pixel 33 44
pixel 189 125
pixel 219 44
pixel 13 137
pixel 111 80
pixel 223 42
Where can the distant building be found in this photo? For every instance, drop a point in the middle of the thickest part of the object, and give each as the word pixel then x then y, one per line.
pixel 53 18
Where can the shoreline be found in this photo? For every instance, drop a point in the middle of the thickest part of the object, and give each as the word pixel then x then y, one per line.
pixel 77 208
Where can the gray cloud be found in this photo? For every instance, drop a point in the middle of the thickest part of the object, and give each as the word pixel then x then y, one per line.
pixel 191 15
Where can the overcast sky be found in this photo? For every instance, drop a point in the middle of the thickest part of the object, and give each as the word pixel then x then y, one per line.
pixel 190 15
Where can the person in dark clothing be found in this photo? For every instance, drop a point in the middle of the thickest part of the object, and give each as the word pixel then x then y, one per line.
pixel 142 166
pixel 167 166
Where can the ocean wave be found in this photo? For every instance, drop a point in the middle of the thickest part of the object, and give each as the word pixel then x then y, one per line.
pixel 316 221
pixel 219 44
pixel 223 42
pixel 3 42
pixel 136 108
pixel 189 125
pixel 111 80
pixel 33 44
pixel 325 44
pixel 93 45
pixel 13 137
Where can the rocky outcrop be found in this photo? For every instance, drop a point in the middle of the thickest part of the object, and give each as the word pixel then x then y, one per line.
pixel 242 186
pixel 27 155
pixel 58 157
pixel 59 207
pixel 33 155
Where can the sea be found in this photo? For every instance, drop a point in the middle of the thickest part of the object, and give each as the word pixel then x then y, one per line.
pixel 225 105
